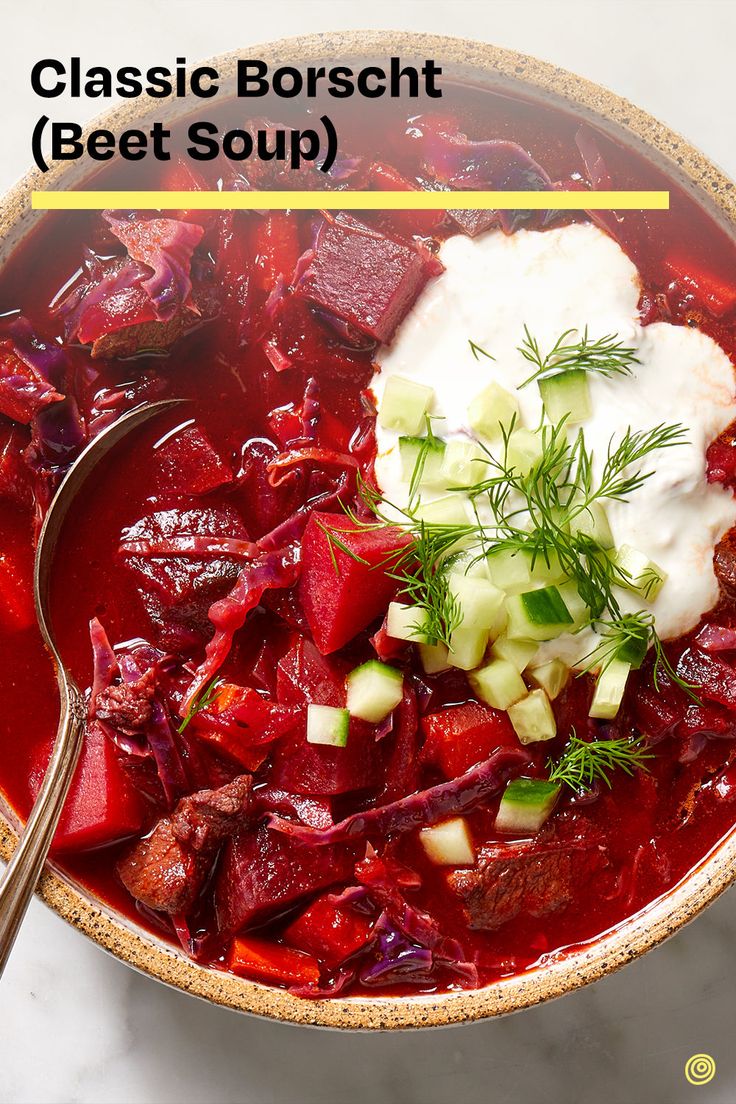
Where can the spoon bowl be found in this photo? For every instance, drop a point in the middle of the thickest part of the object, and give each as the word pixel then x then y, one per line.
pixel 24 869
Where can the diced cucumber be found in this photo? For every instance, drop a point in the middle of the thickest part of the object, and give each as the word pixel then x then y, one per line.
pixel 434 658
pixel 593 522
pixel 327 725
pixel 515 570
pixel 518 652
pixel 374 689
pixel 537 614
pixel 481 606
pixel 641 575
pixel 634 649
pixel 471 563
pixel 464 464
pixel 498 684
pixel 551 677
pixel 452 509
pixel 404 405
pixel 492 412
pixel 526 804
pixel 422 455
pixel 523 451
pixel 407 622
pixel 533 719
pixel 448 843
pixel 576 607
pixel 566 393
pixel 609 690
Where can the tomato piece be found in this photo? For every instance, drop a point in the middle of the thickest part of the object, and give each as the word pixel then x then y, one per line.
pixel 342 592
pixel 462 735
pixel 271 962
pixel 329 931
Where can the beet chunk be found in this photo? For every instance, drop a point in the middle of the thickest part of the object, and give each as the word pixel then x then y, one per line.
pixel 189 464
pixel 338 604
pixel 365 278
pixel 529 877
pixel 166 870
pixel 264 872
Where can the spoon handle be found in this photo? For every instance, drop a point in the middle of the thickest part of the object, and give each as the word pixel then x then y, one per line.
pixel 24 869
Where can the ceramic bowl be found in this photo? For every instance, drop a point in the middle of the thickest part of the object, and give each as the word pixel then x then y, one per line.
pixel 490 66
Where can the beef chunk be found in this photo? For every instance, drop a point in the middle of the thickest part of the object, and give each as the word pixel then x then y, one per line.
pixel 724 562
pixel 145 337
pixel 129 706
pixel 167 869
pixel 365 278
pixel 529 877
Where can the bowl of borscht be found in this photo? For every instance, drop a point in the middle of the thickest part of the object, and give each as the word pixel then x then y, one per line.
pixel 409 636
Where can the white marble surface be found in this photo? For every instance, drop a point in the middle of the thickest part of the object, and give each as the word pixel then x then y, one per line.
pixel 78 1026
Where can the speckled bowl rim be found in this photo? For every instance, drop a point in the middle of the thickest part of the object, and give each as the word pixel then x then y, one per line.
pixel 493 66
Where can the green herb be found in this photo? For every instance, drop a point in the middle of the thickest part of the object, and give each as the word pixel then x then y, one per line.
pixel 422 573
pixel 606 356
pixel 209 695
pixel 618 632
pixel 478 351
pixel 584 762
pixel 333 542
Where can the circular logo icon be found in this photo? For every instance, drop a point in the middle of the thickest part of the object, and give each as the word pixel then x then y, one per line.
pixel 700 1069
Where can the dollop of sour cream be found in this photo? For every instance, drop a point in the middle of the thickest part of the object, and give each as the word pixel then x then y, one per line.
pixel 553 281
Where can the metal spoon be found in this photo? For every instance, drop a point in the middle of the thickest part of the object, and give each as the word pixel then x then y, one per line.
pixel 24 869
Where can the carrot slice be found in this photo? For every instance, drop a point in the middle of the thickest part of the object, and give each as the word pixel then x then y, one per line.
pixel 271 962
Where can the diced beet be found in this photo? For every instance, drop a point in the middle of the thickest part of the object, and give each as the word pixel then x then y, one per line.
pixel 654 716
pixel 263 504
pixel 306 768
pixel 365 278
pixel 103 807
pixel 721 458
pixel 262 872
pixel 303 675
pixel 258 958
pixel 338 604
pixel 23 389
pixel 402 770
pixel 188 463
pixel 329 931
pixel 462 735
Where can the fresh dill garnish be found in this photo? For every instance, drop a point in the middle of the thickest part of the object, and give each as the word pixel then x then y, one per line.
pixel 333 542
pixel 606 356
pixel 422 573
pixel 478 351
pixel 585 762
pixel 208 697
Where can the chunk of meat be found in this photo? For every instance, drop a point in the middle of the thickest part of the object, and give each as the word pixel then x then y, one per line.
pixel 529 877
pixel 264 872
pixel 146 337
pixel 724 561
pixel 167 869
pixel 128 707
pixel 365 278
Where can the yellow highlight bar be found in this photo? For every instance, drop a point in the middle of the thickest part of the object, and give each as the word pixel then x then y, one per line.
pixel 350 201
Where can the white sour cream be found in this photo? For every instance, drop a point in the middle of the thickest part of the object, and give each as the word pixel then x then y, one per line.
pixel 553 281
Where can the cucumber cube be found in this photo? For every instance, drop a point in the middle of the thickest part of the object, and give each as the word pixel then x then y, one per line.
pixel 566 394
pixel 640 574
pixel 498 684
pixel 551 677
pixel 511 569
pixel 634 649
pixel 451 510
pixel 481 606
pixel 407 622
pixel 523 451
pixel 464 464
pixel 533 719
pixel 609 690
pixel 526 804
pixel 537 615
pixel 374 690
pixel 448 843
pixel 422 456
pixel 404 405
pixel 327 725
pixel 593 522
pixel 518 652
pixel 492 412
pixel 434 658
pixel 576 607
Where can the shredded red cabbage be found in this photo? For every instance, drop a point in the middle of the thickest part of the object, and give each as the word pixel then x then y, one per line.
pixel 166 246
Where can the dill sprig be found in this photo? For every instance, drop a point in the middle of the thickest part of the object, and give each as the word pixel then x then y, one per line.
pixel 208 697
pixel 634 628
pixel 478 351
pixel 585 762
pixel 422 574
pixel 606 356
